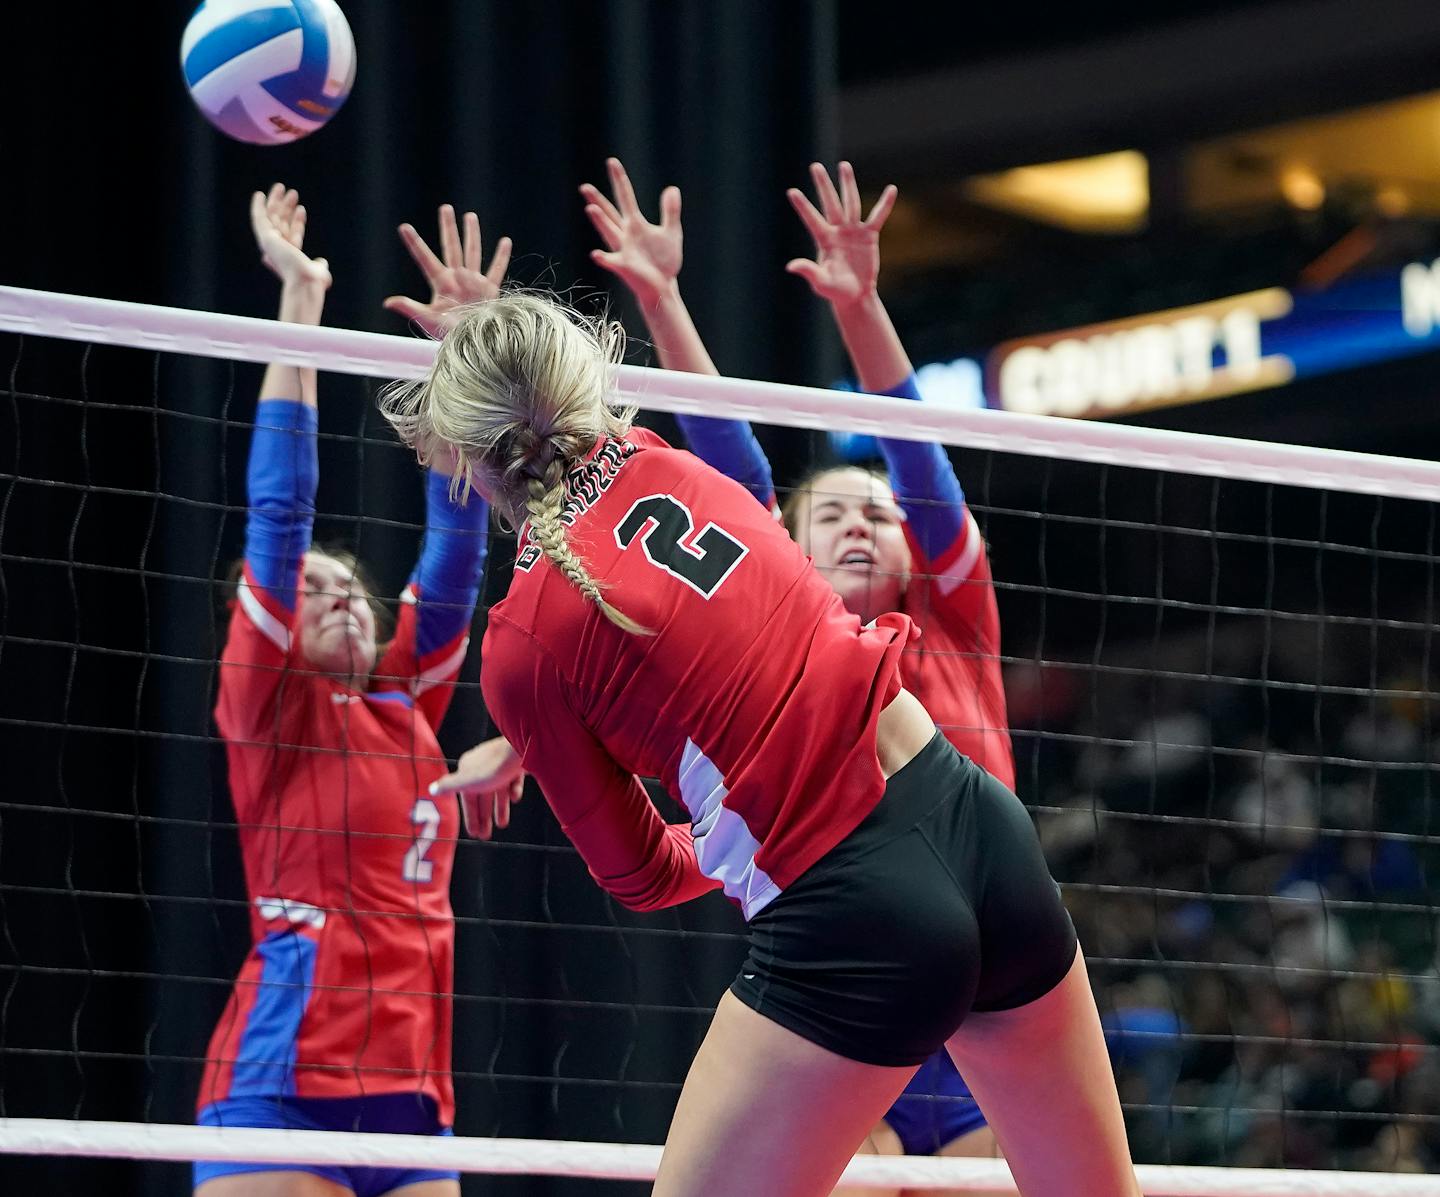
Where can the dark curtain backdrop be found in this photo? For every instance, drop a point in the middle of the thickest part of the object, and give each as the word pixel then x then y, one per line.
pixel 116 187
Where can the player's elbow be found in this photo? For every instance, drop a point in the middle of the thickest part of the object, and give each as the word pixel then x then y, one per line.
pixel 661 889
pixel 648 889
pixel 644 900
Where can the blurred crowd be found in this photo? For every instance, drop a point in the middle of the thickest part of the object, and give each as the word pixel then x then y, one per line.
pixel 1246 842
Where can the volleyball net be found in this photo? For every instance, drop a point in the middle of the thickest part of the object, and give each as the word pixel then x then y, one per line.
pixel 1218 665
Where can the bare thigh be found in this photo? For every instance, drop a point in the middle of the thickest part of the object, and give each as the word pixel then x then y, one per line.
pixel 765 1111
pixel 1050 1055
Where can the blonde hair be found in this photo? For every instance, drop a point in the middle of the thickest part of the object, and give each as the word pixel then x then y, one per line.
pixel 519 392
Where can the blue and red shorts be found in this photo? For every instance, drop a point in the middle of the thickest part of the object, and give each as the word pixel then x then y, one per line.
pixel 386 1113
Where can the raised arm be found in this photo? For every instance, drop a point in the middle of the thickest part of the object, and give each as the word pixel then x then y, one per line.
pixel 278 219
pixel 438 603
pixel 647 258
pixel 280 480
pixel 844 272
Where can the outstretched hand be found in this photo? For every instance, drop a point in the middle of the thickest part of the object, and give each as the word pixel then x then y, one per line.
pixel 278 219
pixel 646 257
pixel 455 276
pixel 847 248
pixel 488 780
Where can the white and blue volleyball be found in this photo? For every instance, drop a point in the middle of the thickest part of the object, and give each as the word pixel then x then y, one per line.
pixel 268 71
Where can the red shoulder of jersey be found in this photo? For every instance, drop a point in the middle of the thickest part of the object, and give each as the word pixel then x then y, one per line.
pixel 645 438
pixel 958 583
pixel 255 661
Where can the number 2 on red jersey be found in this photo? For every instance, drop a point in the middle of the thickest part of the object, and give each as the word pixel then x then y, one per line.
pixel 665 527
pixel 425 815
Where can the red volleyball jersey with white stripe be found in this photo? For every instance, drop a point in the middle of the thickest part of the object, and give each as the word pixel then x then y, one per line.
pixel 347 986
pixel 953 665
pixel 755 700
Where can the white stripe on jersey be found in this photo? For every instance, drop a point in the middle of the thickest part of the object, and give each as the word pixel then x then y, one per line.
pixel 442 672
pixel 724 846
pixel 299 913
pixel 273 630
pixel 962 566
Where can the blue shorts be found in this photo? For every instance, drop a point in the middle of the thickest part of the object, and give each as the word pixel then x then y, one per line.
pixel 387 1113
pixel 935 1109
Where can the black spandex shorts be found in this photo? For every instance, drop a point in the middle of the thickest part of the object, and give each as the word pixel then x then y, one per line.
pixel 937 904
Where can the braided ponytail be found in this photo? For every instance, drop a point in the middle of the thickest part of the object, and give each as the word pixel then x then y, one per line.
pixel 543 505
pixel 519 391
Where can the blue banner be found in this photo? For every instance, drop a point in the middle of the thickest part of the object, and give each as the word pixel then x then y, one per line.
pixel 1206 351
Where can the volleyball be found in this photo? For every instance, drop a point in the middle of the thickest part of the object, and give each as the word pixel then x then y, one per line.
pixel 268 71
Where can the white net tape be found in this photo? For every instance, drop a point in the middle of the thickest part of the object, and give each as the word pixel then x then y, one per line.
pixel 342 351
pixel 619 1161
pixel 238 338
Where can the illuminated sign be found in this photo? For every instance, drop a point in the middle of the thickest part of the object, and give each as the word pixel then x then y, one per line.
pixel 960 383
pixel 1420 298
pixel 1225 347
pixel 1244 343
pixel 1179 356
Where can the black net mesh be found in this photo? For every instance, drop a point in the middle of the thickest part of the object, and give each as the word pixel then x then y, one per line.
pixel 1220 695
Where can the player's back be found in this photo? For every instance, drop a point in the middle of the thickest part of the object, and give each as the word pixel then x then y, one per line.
pixel 755 697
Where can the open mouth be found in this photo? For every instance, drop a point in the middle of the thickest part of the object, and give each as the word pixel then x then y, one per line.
pixel 857 559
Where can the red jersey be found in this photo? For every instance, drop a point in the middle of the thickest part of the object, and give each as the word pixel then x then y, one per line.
pixel 346 990
pixel 755 701
pixel 953 666
pixel 347 987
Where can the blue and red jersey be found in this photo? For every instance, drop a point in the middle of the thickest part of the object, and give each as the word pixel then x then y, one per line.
pixel 953 665
pixel 347 987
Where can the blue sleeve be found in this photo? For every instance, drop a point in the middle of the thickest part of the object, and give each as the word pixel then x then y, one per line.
pixel 280 484
pixel 925 485
pixel 452 559
pixel 730 447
